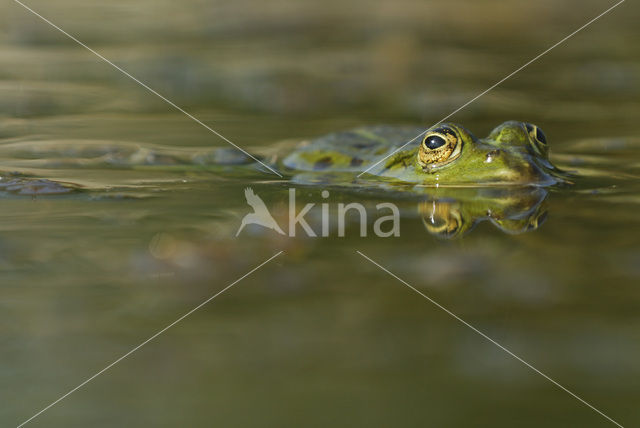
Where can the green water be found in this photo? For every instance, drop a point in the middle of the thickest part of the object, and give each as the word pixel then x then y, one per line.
pixel 319 336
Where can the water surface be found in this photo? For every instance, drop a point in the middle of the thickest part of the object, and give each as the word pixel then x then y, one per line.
pixel 319 336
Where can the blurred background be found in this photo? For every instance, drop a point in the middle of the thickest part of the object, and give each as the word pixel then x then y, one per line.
pixel 319 336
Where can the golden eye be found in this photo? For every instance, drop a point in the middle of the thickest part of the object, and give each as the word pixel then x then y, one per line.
pixel 439 147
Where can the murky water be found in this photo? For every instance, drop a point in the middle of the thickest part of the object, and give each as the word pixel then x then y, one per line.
pixel 112 227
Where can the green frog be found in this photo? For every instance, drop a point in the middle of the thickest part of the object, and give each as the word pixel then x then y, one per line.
pixel 457 179
pixel 514 153
pixel 461 180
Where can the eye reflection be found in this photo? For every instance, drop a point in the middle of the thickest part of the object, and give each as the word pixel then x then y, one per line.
pixel 453 213
pixel 441 219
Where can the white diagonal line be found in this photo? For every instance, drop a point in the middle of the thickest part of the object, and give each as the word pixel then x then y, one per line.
pixel 126 73
pixel 150 339
pixel 491 340
pixel 541 54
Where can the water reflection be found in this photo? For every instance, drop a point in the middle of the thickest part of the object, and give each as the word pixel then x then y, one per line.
pixel 453 213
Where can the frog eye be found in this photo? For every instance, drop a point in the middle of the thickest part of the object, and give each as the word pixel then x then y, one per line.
pixel 434 141
pixel 439 146
pixel 442 219
pixel 536 135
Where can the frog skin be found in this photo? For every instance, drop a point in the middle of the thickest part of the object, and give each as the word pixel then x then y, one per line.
pixel 514 153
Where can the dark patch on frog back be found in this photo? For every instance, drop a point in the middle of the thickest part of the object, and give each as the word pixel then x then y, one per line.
pixel 356 161
pixel 323 163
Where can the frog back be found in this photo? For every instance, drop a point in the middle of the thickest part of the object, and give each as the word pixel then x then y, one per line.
pixel 350 151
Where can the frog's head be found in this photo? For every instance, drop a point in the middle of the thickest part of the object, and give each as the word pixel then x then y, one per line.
pixel 513 153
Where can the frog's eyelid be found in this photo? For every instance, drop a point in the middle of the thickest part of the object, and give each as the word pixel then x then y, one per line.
pixel 443 130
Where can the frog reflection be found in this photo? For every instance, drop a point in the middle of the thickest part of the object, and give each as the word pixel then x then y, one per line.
pixel 453 213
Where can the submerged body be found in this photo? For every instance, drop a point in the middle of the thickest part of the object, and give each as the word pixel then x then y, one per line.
pixel 514 153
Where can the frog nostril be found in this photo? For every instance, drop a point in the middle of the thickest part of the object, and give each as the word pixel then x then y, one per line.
pixel 492 155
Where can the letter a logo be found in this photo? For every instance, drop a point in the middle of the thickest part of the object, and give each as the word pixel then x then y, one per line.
pixel 260 215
